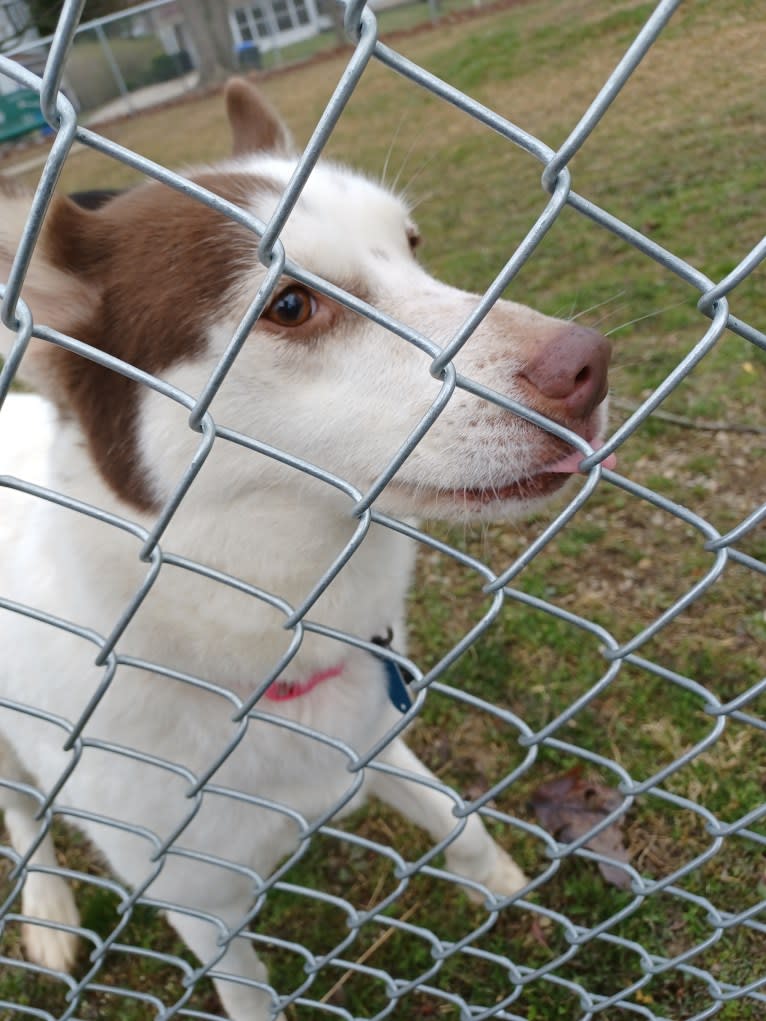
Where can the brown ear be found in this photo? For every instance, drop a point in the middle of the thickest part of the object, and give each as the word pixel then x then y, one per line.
pixel 56 290
pixel 255 125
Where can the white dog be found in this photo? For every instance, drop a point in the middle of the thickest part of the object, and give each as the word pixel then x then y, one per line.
pixel 161 281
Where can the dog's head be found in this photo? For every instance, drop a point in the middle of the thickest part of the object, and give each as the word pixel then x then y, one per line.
pixel 161 280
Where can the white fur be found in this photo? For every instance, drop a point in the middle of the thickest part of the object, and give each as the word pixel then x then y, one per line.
pixel 345 403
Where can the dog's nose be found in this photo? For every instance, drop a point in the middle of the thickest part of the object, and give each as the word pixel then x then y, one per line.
pixel 571 369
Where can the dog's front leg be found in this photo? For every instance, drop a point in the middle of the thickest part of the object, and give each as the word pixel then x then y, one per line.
pixel 473 853
pixel 246 1000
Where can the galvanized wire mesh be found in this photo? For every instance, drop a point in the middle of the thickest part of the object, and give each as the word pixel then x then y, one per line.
pixel 562 969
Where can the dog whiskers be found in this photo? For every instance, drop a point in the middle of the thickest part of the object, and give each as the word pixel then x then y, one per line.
pixel 421 169
pixel 390 151
pixel 599 304
pixel 609 313
pixel 403 167
pixel 649 315
pixel 412 204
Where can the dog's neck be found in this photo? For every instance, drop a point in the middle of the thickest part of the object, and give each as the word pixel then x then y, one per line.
pixel 287 689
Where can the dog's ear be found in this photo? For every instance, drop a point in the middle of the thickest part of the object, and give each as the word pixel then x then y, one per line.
pixel 255 125
pixel 61 286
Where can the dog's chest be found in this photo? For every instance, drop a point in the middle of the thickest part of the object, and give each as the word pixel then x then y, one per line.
pixel 214 642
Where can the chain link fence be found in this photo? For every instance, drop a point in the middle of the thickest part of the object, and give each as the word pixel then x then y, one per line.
pixel 440 977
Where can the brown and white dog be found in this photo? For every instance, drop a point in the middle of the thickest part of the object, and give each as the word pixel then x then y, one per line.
pixel 161 281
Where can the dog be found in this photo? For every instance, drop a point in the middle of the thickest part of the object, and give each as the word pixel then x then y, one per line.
pixel 159 280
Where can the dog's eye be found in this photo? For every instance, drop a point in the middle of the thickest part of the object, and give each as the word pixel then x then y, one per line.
pixel 293 307
pixel 413 237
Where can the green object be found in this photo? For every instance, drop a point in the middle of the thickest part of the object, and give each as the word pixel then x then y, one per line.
pixel 19 114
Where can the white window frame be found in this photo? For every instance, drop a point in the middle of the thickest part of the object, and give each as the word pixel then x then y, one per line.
pixel 274 35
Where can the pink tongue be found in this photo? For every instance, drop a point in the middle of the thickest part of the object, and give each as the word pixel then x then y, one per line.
pixel 571 463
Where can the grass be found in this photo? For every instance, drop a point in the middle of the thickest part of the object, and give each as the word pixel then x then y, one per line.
pixel 679 156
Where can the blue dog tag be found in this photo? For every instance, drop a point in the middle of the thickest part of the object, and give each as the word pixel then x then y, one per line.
pixel 397 689
pixel 396 682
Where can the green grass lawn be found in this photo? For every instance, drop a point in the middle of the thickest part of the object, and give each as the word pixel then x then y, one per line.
pixel 680 157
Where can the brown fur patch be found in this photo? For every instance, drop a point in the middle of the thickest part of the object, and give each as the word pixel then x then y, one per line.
pixel 158 265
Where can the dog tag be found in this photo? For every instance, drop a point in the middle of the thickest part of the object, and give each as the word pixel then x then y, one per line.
pixel 397 689
pixel 396 682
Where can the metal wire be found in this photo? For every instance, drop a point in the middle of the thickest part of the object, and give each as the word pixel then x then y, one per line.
pixel 434 954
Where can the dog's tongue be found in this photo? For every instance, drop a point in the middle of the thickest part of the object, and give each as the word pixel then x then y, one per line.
pixel 570 464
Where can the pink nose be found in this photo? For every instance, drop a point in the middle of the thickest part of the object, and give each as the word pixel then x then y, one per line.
pixel 571 370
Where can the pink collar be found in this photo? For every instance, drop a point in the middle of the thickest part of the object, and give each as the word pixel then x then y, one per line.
pixel 284 691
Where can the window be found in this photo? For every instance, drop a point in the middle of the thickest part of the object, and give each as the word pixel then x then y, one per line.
pixel 243 27
pixel 262 20
pixel 302 15
pixel 282 14
pixel 251 23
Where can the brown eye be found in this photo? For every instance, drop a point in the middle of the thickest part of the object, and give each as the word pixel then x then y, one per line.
pixel 413 237
pixel 293 307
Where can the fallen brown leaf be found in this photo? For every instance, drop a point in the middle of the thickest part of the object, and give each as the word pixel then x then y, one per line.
pixel 537 933
pixel 571 805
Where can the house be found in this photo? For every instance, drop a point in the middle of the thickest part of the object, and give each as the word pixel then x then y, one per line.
pixel 255 24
